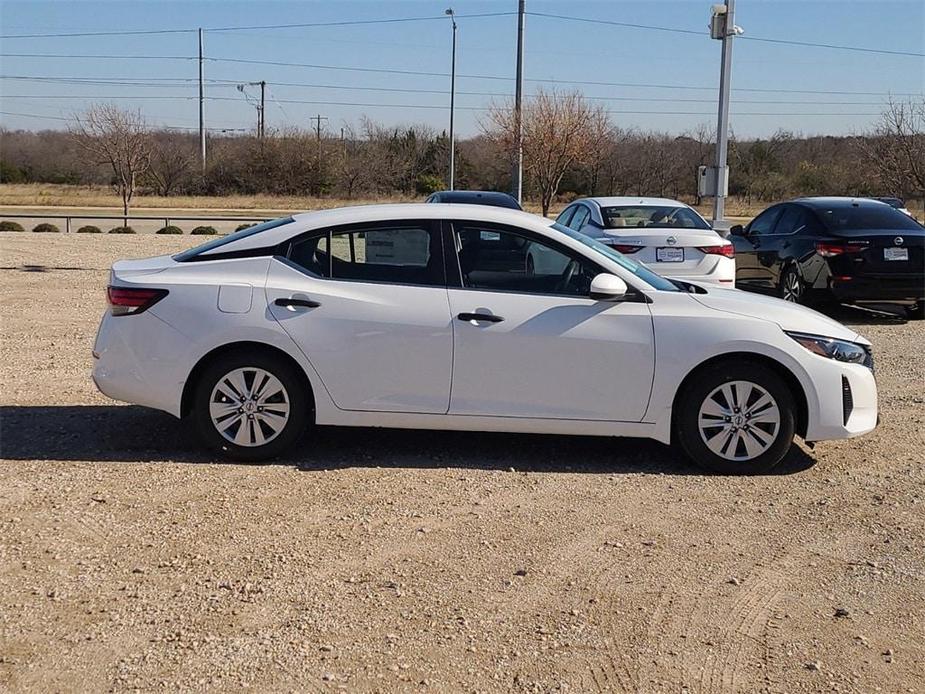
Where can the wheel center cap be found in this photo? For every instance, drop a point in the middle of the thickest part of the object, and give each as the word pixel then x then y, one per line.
pixel 739 420
pixel 250 406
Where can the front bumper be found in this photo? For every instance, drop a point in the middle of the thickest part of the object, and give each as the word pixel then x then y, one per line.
pixel 846 401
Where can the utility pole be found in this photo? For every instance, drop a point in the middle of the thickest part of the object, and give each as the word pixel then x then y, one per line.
pixel 263 112
pixel 452 16
pixel 318 120
pixel 202 122
pixel 518 174
pixel 722 27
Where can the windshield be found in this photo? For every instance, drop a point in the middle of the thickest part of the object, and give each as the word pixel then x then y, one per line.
pixel 643 273
pixel 244 233
pixel 652 217
pixel 872 216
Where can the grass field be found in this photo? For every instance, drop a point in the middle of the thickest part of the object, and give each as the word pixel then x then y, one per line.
pixel 40 198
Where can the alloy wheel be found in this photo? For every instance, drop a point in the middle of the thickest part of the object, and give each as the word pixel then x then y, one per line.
pixel 739 420
pixel 249 406
pixel 792 287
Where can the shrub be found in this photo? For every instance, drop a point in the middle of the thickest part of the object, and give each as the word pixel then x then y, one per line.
pixel 204 231
pixel 89 229
pixel 122 230
pixel 246 225
pixel 46 229
pixel 11 226
pixel 171 229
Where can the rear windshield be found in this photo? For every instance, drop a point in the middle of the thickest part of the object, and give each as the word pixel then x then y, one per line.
pixel 244 233
pixel 654 280
pixel 492 199
pixel 652 217
pixel 873 217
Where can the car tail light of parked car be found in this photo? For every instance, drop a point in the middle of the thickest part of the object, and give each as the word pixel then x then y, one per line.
pixel 625 249
pixel 125 301
pixel 727 250
pixel 829 249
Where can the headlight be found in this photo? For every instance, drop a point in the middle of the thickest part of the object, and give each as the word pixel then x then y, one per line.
pixel 840 350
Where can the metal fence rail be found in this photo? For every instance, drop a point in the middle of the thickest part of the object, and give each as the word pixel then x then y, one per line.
pixel 167 219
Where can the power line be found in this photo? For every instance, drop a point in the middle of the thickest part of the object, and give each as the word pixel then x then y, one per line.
pixel 257 27
pixel 677 30
pixel 168 127
pixel 128 81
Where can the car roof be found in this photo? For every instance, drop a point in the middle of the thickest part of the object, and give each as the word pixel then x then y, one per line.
pixel 835 201
pixel 628 200
pixel 359 214
pixel 477 196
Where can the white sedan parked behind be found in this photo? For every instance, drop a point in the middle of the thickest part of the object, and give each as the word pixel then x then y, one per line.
pixel 665 235
pixel 422 316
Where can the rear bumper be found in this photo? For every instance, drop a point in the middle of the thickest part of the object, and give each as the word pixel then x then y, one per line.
pixel 905 287
pixel 722 272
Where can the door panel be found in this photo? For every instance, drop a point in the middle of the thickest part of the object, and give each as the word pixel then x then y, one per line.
pixel 751 250
pixel 379 347
pixel 551 356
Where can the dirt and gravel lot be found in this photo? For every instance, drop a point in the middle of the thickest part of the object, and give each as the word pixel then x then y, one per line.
pixel 406 561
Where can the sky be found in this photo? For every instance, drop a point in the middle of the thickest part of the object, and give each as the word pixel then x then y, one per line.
pixel 651 80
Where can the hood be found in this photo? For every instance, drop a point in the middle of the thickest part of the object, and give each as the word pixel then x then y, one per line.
pixel 787 315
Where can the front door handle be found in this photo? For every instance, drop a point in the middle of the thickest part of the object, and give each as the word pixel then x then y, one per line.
pixel 292 302
pixel 488 317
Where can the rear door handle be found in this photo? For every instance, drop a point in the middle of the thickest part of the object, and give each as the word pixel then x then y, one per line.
pixel 488 317
pixel 292 302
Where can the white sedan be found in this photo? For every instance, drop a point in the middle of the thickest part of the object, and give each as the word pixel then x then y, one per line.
pixel 665 235
pixel 421 316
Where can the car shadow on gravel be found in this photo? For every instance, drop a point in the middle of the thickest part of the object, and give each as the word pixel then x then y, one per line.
pixel 130 434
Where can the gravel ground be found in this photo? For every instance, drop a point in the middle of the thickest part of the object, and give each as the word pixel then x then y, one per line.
pixel 406 561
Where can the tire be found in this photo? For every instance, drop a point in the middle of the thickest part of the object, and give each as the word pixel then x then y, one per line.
pixel 758 444
pixel 277 415
pixel 916 311
pixel 791 286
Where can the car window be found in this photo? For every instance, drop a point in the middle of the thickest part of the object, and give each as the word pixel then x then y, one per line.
pixel 391 254
pixel 764 223
pixel 566 215
pixel 203 251
pixel 581 216
pixel 791 219
pixel 496 258
pixel 652 216
pixel 862 217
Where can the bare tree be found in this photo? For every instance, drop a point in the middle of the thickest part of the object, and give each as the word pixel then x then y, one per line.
pixel 896 147
pixel 172 158
pixel 560 131
pixel 119 138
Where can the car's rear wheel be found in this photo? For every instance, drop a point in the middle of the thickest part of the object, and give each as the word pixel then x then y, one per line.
pixel 736 419
pixel 250 405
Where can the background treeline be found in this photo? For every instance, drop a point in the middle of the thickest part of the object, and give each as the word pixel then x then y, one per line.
pixel 378 161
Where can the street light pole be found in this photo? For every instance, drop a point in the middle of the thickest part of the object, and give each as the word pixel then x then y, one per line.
pixel 723 27
pixel 518 175
pixel 452 16
pixel 202 122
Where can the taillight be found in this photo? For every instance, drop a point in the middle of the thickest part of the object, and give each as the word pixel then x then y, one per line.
pixel 624 248
pixel 828 249
pixel 125 301
pixel 727 250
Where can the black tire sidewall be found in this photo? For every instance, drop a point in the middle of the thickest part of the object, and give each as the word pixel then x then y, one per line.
pixel 701 385
pixel 298 405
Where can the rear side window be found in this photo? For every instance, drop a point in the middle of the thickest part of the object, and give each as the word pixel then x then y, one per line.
pixel 565 216
pixel 196 252
pixel 764 223
pixel 394 255
pixel 581 216
pixel 875 217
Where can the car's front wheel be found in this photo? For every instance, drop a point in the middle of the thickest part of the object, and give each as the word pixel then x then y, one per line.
pixel 736 418
pixel 250 405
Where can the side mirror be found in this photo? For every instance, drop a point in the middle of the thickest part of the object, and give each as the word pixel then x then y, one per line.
pixel 737 230
pixel 605 287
